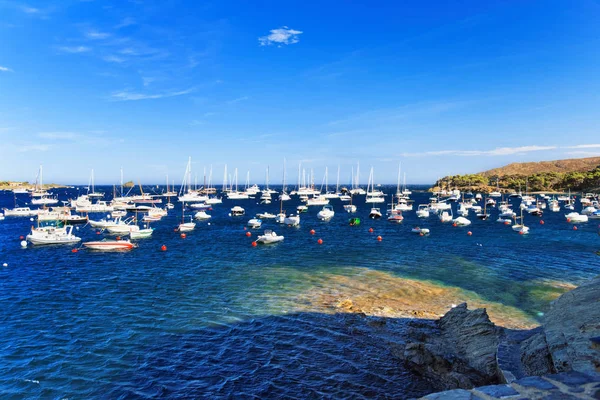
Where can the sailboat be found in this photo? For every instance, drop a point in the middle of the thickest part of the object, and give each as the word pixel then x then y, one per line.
pixel 373 196
pixel 484 215
pixel 351 208
pixel 284 196
pixel 521 228
pixel 185 226
pixel 40 196
pixel 394 214
pixel 92 189
pixel 356 189
pixel 496 193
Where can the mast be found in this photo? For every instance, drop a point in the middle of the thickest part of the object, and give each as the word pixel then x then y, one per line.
pixel 225 179
pixel 337 182
pixel 121 181
pixel 398 183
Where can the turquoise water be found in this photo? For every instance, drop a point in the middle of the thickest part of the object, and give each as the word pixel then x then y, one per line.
pixel 215 317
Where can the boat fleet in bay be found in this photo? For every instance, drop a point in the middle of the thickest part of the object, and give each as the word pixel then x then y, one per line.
pixel 129 216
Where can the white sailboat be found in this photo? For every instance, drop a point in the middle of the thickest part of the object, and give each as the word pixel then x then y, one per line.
pixel 373 195
pixel 521 228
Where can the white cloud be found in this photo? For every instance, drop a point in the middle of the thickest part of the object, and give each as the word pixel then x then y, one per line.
pixel 584 153
pixel 58 135
pixel 74 49
pixel 5 69
pixel 127 95
pixel 499 151
pixel 30 10
pixel 114 59
pixel 280 36
pixel 96 35
pixel 584 146
pixel 239 99
pixel 126 22
pixel 34 147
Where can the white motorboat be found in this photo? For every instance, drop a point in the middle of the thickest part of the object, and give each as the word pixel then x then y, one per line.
pixel 99 206
pixel 52 235
pixel 461 221
pixel 326 213
pixel 110 245
pixel 170 206
pixel 445 216
pixel 266 215
pixel 118 213
pixel 375 213
pixel 421 231
pixel 214 200
pixel 44 201
pixel 269 237
pixel 589 210
pixel 423 211
pixel 350 208
pixel 199 206
pixel 507 213
pixel 575 217
pixel 102 224
pixel 120 226
pixel 20 212
pixel 202 215
pixel 504 220
pixel 237 211
pixel 141 234
pixel 280 218
pixel 301 209
pixel 254 223
pixel 345 197
pixel 317 201
pixel 292 220
pixel 462 210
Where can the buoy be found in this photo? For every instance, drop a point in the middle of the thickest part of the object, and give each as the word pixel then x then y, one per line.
pixel 118 237
pixel 312 231
pixel 253 244
pixel 21 237
pixel 5 265
pixel 521 232
pixel 23 243
pixel 244 228
pixel 506 222
pixel 320 241
pixel 421 234
pixel 370 230
pixel 183 236
pixel 568 219
pixel 542 222
pixel 574 228
pixel 209 223
pixel 469 233
pixel 175 230
pixel 98 232
pixel 379 238
pixel 163 248
pixel 73 250
pixel 248 234
pixel 454 225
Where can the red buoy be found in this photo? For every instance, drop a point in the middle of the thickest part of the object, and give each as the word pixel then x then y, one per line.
pixel 469 233
pixel 175 230
pixel 568 219
pixel 253 244
pixel 379 238
pixel 118 237
pixel 421 234
pixel 21 237
pixel 73 250
pixel 542 222
pixel 244 228
pixel 312 231
pixel 370 230
pixel 248 234
pixel 320 241
pixel 506 222
pixel 454 225
pixel 574 228
pixel 163 248
pixel 98 232
pixel 183 236
pixel 521 232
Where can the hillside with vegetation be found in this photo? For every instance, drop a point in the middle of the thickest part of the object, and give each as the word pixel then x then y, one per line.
pixel 582 174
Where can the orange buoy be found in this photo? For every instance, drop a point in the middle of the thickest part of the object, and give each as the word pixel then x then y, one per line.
pixel 118 237
pixel 421 234
pixel 73 250
pixel 183 236
pixel 98 232
pixel 454 225
pixel 248 234
pixel 568 219
pixel 312 231
pixel 520 232
pixel 542 222
pixel 370 230
pixel 175 230
pixel 379 238
pixel 253 244
pixel 320 241
pixel 506 222
pixel 469 233
pixel 21 237
pixel 163 248
pixel 574 228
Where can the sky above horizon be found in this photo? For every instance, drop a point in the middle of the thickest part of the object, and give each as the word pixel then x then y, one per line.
pixel 442 87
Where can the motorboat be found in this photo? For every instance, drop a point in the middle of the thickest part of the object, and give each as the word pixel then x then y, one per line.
pixel 534 210
pixel 507 213
pixel 254 223
pixel 301 209
pixel 375 213
pixel 214 200
pixel 237 211
pixel 445 216
pixel 575 217
pixel 186 226
pixel 110 245
pixel 594 215
pixel 317 201
pixel 280 218
pixel 350 208
pixel 141 234
pixel 589 210
pixel 62 214
pixel 44 201
pixel 420 231
pixel 20 212
pixel 504 220
pixel 266 215
pixel 99 206
pixel 199 206
pixel 326 213
pixel 202 215
pixel 478 197
pixel 423 211
pixel 52 234
pixel 461 221
pixel 120 226
pixel 269 237
pixel 395 216
pixel 292 220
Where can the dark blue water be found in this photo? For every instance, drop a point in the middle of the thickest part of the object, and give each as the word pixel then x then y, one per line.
pixel 215 317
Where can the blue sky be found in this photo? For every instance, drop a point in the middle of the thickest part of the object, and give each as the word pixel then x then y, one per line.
pixel 444 87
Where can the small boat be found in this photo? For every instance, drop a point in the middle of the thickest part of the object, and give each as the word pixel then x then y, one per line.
pixel 186 226
pixel 269 237
pixel 214 200
pixel 202 215
pixel 504 220
pixel 445 216
pixel 292 220
pixel 521 228
pixel 484 215
pixel 354 221
pixel 199 206
pixel 576 217
pixel 421 231
pixel 118 213
pixel 122 226
pixel 266 215
pixel 478 197
pixel 52 234
pixel 110 245
pixel 375 213
pixel 301 209
pixel 254 223
pixel 594 215
pixel 20 212
pixel 534 210
pixel 237 211
pixel 461 221
pixel 280 218
pixel 141 234
pixel 326 213
pixel 350 208
pixel 423 211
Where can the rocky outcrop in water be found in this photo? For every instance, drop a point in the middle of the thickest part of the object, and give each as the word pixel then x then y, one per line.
pixel 457 351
